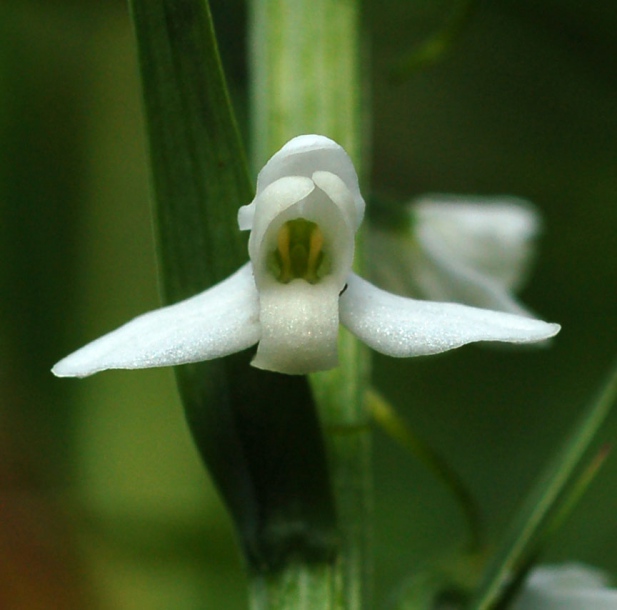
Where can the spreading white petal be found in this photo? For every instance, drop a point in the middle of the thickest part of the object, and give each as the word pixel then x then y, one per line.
pixel 401 327
pixel 566 587
pixel 220 321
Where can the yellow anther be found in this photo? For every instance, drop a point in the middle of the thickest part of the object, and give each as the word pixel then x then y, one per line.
pixel 283 239
pixel 314 255
pixel 299 253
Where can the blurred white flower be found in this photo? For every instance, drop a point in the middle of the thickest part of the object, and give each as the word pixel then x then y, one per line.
pixel 566 587
pixel 297 286
pixel 472 250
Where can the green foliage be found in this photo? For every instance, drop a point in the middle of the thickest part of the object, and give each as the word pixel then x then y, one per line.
pixel 497 115
pixel 243 420
pixel 544 503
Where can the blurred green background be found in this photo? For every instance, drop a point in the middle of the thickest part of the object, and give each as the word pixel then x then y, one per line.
pixel 103 501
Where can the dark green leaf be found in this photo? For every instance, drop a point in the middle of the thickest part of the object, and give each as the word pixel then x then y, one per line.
pixel 257 431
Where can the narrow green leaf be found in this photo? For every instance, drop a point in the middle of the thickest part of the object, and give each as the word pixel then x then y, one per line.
pixel 572 496
pixel 302 586
pixel 199 172
pixel 563 508
pixel 544 501
pixel 245 421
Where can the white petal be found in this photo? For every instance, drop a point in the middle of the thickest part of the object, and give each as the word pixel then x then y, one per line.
pixel 402 327
pixel 273 200
pixel 245 216
pixel 272 204
pixel 492 235
pixel 303 156
pixel 339 194
pixel 567 587
pixel 218 322
pixel 471 250
pixel 300 327
pixel 444 275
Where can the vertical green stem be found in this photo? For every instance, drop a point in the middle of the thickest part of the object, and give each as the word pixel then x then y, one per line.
pixel 300 586
pixel 305 73
pixel 305 79
pixel 340 396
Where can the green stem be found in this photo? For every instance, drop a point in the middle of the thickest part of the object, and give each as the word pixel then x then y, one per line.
pixel 305 79
pixel 339 394
pixel 305 73
pixel 300 586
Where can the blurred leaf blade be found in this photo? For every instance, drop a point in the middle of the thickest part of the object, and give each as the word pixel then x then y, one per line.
pixel 564 507
pixel 543 503
pixel 438 45
pixel 199 171
pixel 386 417
pixel 200 179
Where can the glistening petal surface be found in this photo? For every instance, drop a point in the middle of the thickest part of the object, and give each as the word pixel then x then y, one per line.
pixel 217 322
pixel 300 327
pixel 401 327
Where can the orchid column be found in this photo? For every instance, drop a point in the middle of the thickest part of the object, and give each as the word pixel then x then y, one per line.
pixel 305 79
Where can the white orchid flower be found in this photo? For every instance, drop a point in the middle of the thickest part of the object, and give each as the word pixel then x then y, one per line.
pixel 472 250
pixel 296 288
pixel 566 587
